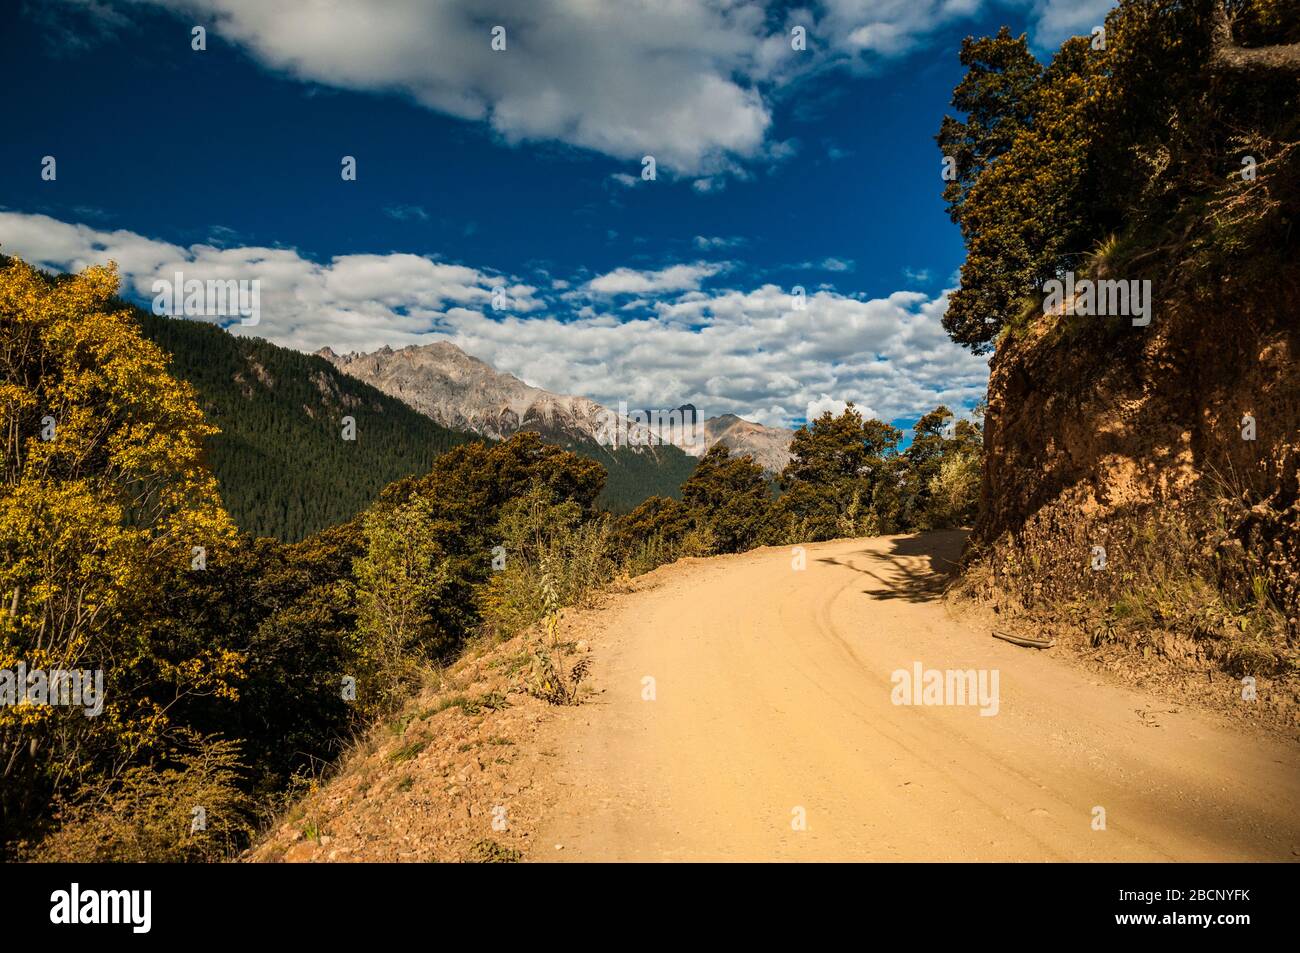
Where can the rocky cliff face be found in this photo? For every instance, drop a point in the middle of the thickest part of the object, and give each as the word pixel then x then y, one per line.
pixel 1141 483
pixel 465 393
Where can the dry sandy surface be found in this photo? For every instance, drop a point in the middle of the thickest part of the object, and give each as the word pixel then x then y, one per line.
pixel 772 704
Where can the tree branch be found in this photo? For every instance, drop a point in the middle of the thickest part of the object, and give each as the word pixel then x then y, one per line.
pixel 1227 56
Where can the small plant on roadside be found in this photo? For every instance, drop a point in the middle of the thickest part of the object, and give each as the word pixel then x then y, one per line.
pixel 490 852
pixel 546 678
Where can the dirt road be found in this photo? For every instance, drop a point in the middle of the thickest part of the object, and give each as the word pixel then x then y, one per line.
pixel 773 733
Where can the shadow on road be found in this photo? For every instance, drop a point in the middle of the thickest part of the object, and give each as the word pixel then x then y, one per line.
pixel 915 568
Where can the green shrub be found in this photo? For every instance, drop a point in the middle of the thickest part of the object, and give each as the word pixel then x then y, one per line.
pixel 151 814
pixel 546 541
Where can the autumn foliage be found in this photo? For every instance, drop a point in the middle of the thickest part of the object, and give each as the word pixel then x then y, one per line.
pixel 104 497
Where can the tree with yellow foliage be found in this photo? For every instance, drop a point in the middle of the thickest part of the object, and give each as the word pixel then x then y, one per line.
pixel 104 494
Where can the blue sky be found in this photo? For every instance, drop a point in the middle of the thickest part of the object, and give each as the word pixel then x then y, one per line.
pixel 521 168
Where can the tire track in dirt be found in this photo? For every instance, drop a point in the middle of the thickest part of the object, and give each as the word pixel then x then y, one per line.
pixel 773 697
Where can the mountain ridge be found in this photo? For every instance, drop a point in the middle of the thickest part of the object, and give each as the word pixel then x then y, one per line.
pixel 464 392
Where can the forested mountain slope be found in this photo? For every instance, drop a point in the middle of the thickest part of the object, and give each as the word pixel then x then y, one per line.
pixel 284 469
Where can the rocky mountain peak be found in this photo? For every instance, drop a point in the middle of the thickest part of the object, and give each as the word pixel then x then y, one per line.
pixel 463 392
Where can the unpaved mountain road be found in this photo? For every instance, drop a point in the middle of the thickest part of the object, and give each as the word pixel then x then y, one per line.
pixel 773 701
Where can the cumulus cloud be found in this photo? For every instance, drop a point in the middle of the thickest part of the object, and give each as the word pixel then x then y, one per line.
pixel 825 403
pixel 872 31
pixel 626 79
pixel 727 350
pixel 353 301
pixel 674 278
pixel 689 82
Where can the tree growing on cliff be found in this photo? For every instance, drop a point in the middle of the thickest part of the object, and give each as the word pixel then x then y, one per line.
pixel 1019 152
pixel 1123 141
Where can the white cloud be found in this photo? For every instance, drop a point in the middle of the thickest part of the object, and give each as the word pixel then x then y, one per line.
pixel 629 78
pixel 715 242
pixel 407 213
pixel 1056 20
pixel 826 264
pixel 674 278
pixel 729 350
pixel 873 31
pixel 354 301
pixel 826 402
pixel 689 82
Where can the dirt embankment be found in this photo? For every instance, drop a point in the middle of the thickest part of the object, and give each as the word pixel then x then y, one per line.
pixel 462 773
pixel 1141 500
